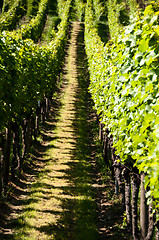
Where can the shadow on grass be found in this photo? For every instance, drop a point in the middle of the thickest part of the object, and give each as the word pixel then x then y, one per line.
pixel 78 220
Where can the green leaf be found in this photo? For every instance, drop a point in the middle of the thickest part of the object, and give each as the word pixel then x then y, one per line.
pixel 143 46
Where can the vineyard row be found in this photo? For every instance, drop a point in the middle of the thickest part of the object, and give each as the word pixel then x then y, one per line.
pixel 124 87
pixel 28 76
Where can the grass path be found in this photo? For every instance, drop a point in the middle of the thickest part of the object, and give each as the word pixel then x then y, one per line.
pixel 61 196
pixel 61 202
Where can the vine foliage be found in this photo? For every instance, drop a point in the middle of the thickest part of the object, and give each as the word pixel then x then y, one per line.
pixel 124 86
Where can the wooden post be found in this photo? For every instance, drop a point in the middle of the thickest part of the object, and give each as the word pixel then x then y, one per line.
pixel 143 208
